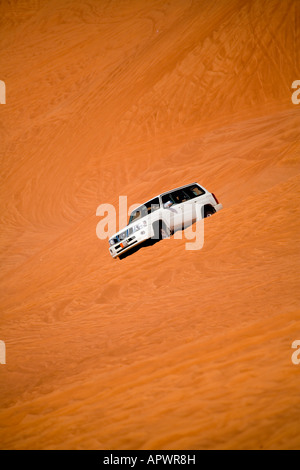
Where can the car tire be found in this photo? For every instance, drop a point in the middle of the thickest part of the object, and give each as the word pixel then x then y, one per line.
pixel 209 211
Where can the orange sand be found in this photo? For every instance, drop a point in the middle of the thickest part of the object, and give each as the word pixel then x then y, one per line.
pixel 168 348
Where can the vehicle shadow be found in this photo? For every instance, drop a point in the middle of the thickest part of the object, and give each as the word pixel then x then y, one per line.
pixel 135 249
pixel 150 242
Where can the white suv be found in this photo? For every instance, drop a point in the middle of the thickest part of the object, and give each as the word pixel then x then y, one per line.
pixel 161 216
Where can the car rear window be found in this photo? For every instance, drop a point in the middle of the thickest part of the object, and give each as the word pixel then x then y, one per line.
pixel 194 191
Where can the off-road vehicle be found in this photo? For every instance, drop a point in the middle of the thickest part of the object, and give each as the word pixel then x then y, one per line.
pixel 162 215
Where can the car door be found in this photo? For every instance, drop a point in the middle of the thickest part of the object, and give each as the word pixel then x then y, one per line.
pixel 169 212
pixel 197 199
pixel 177 209
pixel 185 207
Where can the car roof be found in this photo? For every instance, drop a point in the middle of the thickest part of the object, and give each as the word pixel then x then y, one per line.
pixel 166 192
pixel 176 189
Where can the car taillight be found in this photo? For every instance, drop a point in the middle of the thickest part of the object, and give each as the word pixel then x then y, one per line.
pixel 215 198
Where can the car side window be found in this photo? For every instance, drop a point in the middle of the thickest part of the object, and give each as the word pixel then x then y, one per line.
pixel 167 200
pixel 152 206
pixel 179 196
pixel 182 195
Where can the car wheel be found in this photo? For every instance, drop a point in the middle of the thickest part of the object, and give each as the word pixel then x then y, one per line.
pixel 209 211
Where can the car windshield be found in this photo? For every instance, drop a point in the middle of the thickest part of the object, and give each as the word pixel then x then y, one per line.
pixel 145 209
pixel 135 215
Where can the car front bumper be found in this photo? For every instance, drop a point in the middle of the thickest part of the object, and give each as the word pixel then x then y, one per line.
pixel 130 242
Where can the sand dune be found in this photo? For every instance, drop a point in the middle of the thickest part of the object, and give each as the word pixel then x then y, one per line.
pixel 168 348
